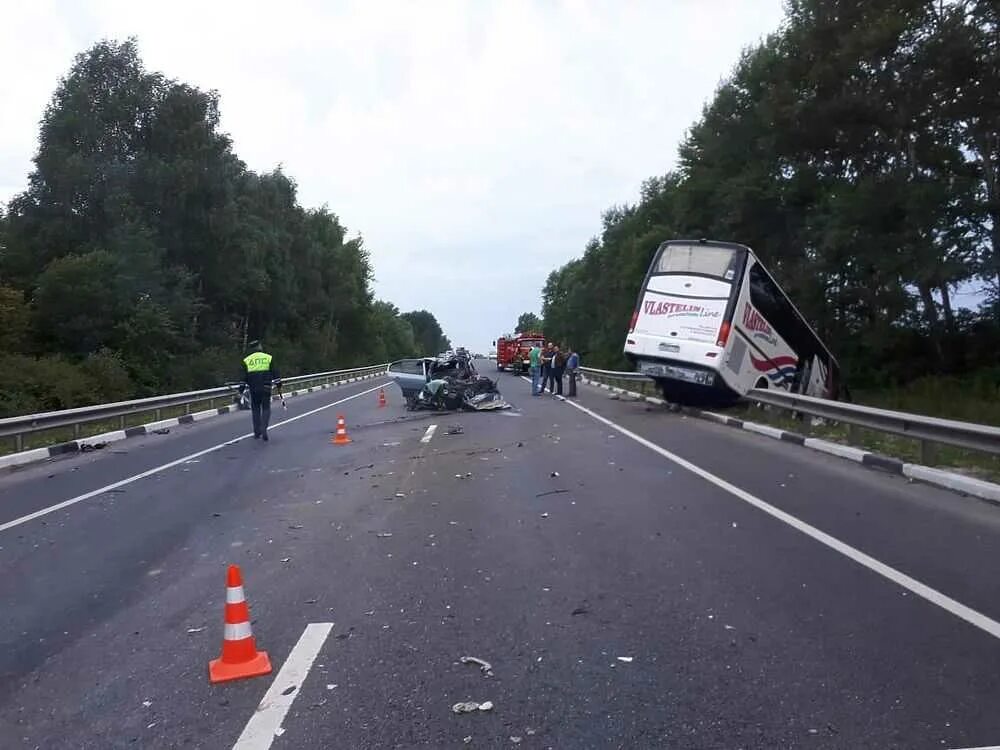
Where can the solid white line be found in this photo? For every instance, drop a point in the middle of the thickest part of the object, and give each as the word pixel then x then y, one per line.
pixel 259 732
pixel 164 467
pixel 984 747
pixel 429 434
pixel 934 596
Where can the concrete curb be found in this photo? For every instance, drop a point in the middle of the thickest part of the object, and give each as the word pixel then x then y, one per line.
pixel 96 442
pixel 927 474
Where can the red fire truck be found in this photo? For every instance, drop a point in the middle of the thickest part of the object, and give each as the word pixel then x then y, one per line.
pixel 512 351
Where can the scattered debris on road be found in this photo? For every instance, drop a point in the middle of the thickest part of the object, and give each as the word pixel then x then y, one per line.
pixel 554 475
pixel 195 630
pixel 515 740
pixel 626 659
pixel 279 731
pixel 582 610
pixel 285 559
pixel 545 515
pixel 295 526
pixel 484 666
pixel 467 707
pixel 456 429
pixel 147 704
pixel 551 492
pixel 383 534
pixel 400 494
pixel 454 384
pixel 467 740
pixel 163 431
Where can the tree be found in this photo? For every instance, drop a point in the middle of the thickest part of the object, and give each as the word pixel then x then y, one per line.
pixel 527 323
pixel 143 254
pixel 427 333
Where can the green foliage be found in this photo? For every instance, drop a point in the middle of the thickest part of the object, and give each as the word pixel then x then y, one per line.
pixel 144 254
pixel 528 323
pixel 856 151
pixel 427 334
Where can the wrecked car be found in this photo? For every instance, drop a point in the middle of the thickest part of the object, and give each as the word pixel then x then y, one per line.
pixel 445 383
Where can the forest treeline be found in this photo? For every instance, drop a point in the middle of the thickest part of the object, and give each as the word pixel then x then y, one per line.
pixel 857 151
pixel 143 254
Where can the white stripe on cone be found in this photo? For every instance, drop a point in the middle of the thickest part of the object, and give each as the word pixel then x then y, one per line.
pixel 234 595
pixel 237 632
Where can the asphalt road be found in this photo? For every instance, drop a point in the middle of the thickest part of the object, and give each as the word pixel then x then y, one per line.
pixel 637 579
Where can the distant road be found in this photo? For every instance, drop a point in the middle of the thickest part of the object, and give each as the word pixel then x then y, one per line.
pixel 636 579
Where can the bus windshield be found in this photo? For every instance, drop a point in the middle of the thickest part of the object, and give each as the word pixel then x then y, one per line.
pixel 704 260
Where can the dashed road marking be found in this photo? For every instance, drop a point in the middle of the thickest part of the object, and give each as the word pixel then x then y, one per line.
pixel 429 435
pixel 922 590
pixel 169 465
pixel 265 724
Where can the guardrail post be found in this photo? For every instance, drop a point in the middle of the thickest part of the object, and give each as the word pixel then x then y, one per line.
pixel 121 422
pixel 18 442
pixel 928 452
pixel 187 408
pixel 157 415
pixel 76 431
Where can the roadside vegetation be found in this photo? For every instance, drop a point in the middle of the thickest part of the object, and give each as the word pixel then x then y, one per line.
pixel 144 254
pixel 857 151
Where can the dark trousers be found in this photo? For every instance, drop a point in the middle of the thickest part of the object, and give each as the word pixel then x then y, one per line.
pixel 260 408
pixel 546 374
pixel 555 378
pixel 572 384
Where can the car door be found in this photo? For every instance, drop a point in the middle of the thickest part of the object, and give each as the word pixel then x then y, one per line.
pixel 410 374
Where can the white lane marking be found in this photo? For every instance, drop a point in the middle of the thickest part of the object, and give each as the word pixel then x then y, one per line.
pixel 984 747
pixel 265 724
pixel 164 467
pixel 429 434
pixel 934 596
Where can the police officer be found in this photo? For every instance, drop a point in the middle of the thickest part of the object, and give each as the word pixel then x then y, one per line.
pixel 260 374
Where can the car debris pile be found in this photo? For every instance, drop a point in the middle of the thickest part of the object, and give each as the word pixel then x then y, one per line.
pixel 454 384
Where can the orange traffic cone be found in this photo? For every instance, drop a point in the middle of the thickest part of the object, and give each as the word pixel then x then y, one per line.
pixel 381 398
pixel 341 437
pixel 240 657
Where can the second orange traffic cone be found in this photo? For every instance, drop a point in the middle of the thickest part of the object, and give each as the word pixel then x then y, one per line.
pixel 240 657
pixel 381 398
pixel 341 437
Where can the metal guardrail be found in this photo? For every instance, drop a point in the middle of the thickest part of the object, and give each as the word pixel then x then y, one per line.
pixel 928 430
pixel 18 427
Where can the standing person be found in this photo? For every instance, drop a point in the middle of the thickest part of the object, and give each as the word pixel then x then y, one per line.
pixel 572 366
pixel 260 374
pixel 558 365
pixel 535 368
pixel 546 366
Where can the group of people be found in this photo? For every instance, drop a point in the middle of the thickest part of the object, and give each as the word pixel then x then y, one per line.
pixel 548 367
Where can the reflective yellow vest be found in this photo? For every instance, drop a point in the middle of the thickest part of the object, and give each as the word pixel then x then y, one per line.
pixel 258 362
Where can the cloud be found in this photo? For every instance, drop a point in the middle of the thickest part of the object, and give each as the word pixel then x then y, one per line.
pixel 473 144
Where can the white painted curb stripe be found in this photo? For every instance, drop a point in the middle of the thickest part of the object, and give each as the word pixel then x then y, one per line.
pixel 933 596
pixel 236 632
pixel 957 482
pixel 836 449
pixel 429 435
pixel 261 730
pixel 171 464
pixel 762 429
pixel 24 457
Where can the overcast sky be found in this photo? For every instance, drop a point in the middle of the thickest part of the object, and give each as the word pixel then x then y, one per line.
pixel 473 144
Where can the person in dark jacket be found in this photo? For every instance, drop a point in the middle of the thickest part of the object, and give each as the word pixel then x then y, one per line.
pixel 556 373
pixel 572 370
pixel 260 375
pixel 547 355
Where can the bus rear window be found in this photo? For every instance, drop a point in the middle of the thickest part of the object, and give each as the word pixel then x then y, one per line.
pixel 704 260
